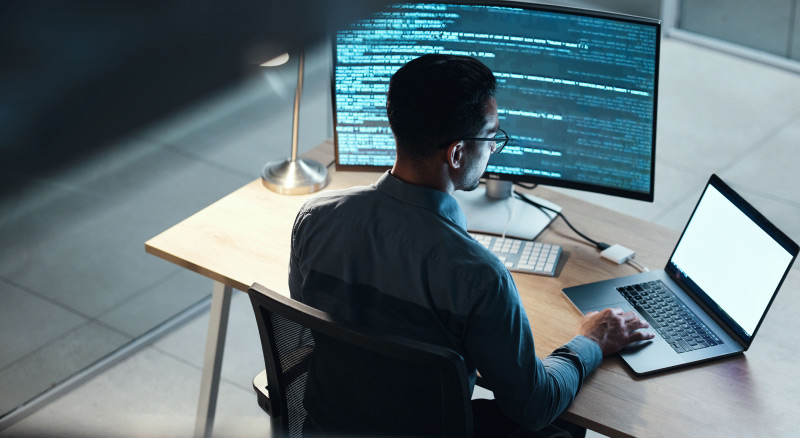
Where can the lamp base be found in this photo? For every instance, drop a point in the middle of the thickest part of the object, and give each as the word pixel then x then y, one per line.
pixel 294 177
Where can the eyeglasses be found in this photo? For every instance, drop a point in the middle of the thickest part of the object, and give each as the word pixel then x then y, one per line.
pixel 500 140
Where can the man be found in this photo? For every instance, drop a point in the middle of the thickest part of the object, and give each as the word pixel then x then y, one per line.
pixel 396 257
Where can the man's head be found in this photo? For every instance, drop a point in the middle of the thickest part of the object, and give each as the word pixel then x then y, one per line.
pixel 436 99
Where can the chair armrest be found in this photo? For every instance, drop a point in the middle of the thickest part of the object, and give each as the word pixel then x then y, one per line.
pixel 262 392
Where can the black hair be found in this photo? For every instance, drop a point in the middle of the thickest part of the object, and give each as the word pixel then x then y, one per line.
pixel 436 99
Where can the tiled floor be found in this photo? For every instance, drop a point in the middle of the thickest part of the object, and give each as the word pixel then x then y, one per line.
pixel 717 113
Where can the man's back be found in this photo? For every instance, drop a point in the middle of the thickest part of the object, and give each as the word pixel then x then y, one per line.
pixel 393 257
pixel 396 257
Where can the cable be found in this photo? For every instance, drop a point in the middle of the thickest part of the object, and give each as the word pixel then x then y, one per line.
pixel 600 245
pixel 510 217
pixel 527 186
pixel 331 164
pixel 637 265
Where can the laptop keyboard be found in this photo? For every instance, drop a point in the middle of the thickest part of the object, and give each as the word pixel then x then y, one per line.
pixel 675 322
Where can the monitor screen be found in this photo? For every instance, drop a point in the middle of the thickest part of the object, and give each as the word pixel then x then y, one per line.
pixel 576 89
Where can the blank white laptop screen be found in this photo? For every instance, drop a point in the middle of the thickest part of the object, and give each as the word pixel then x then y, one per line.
pixel 734 261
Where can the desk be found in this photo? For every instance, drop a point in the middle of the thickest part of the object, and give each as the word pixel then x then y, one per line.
pixel 245 238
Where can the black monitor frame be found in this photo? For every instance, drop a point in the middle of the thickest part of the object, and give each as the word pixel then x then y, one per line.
pixel 533 179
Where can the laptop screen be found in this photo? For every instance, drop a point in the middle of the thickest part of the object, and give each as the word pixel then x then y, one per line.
pixel 732 258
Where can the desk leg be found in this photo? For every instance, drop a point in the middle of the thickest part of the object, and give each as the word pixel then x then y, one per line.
pixel 212 361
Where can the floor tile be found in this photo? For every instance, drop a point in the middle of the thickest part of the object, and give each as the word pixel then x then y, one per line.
pixel 261 132
pixel 714 107
pixel 55 362
pixel 159 303
pixel 785 216
pixel 238 414
pixel 85 247
pixel 672 184
pixel 28 322
pixel 248 137
pixel 68 194
pixel 242 359
pixel 200 114
pixel 264 89
pixel 147 394
pixel 105 164
pixel 795 42
pixel 772 168
pixel 677 215
pixel 749 24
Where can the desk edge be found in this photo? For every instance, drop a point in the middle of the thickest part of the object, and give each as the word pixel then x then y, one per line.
pixel 150 249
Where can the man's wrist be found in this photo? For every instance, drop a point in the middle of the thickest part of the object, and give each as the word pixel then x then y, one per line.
pixel 589 350
pixel 593 339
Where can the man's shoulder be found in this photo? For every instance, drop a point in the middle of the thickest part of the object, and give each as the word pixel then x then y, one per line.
pixel 464 257
pixel 333 198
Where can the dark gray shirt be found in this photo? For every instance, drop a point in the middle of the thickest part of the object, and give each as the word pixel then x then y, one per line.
pixel 397 257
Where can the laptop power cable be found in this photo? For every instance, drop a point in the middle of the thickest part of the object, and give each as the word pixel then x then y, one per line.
pixel 599 245
pixel 615 253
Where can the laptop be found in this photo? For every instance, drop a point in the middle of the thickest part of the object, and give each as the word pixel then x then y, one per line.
pixel 711 298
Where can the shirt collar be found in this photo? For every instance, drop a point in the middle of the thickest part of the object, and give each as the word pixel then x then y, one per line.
pixel 429 199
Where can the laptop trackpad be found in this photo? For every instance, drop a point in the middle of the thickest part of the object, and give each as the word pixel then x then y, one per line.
pixel 626 307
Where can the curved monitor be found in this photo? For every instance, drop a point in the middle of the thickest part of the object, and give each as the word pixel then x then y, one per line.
pixel 577 90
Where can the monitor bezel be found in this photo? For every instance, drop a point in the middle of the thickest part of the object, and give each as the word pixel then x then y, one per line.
pixel 532 179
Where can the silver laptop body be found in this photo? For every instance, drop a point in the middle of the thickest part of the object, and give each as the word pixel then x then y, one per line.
pixel 724 272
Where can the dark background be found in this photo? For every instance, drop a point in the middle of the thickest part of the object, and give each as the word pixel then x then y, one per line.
pixel 75 75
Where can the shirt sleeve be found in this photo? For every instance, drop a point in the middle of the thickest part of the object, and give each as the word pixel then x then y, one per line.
pixel 531 391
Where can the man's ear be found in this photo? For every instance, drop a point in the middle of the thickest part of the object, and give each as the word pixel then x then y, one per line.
pixel 455 154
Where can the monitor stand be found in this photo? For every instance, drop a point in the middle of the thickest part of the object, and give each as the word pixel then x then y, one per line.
pixel 495 211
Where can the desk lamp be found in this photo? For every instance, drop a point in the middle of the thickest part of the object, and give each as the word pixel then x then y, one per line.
pixel 294 176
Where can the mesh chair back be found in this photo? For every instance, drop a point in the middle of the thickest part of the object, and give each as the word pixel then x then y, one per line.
pixel 326 376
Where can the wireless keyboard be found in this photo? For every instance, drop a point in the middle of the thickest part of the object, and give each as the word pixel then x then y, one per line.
pixel 522 255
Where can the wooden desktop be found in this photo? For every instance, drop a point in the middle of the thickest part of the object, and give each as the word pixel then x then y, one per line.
pixel 244 238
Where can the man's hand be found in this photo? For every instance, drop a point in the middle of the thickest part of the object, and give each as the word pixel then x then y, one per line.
pixel 612 329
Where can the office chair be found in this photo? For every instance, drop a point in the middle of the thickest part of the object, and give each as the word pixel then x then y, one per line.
pixel 354 375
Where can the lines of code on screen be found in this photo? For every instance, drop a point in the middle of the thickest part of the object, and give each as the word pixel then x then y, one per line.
pixel 575 93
